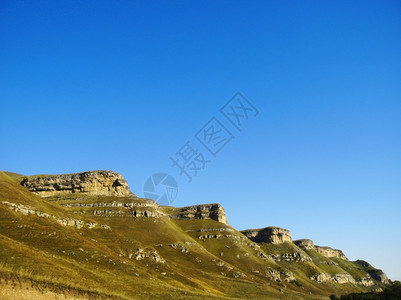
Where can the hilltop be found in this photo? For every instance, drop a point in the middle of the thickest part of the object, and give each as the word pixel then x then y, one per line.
pixel 86 235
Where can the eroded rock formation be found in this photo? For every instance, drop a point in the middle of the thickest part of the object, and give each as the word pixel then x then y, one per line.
pixel 330 252
pixel 376 274
pixel 272 235
pixel 213 211
pixel 342 278
pixel 306 244
pixel 28 210
pixel 106 183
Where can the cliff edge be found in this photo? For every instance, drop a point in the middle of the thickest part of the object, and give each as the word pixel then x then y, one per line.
pixel 104 183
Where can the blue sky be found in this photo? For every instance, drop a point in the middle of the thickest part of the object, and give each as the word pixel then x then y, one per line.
pixel 123 85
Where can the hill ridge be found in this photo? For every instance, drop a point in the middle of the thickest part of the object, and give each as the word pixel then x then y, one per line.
pixel 159 251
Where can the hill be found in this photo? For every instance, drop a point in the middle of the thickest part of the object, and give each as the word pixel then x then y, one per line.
pixel 87 236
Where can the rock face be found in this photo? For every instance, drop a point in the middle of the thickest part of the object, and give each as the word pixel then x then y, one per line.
pixel 28 210
pixel 340 278
pixel 106 183
pixel 379 275
pixel 295 256
pixel 376 274
pixel 121 207
pixel 272 235
pixel 321 277
pixel 306 244
pixel 366 281
pixel 343 278
pixel 330 252
pixel 213 211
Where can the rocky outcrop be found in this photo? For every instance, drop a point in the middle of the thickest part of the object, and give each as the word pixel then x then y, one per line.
pixel 271 235
pixel 143 254
pixel 339 278
pixel 221 236
pixel 330 252
pixel 134 203
pixel 321 277
pixel 105 183
pixel 121 207
pixel 379 275
pixel 376 274
pixel 280 276
pixel 28 210
pixel 342 278
pixel 294 257
pixel 306 244
pixel 366 281
pixel 213 211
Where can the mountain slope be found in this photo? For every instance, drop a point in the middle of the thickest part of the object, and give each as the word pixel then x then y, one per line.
pixel 93 235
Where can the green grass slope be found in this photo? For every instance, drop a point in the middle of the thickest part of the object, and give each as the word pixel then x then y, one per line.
pixel 109 247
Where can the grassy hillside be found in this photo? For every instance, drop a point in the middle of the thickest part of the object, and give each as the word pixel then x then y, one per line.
pixel 107 247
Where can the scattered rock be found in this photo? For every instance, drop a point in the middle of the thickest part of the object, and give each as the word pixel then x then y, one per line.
pixel 295 257
pixel 279 276
pixel 179 247
pixel 28 210
pixel 141 254
pixel 239 275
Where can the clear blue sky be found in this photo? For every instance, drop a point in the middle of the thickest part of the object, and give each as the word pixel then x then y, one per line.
pixel 123 85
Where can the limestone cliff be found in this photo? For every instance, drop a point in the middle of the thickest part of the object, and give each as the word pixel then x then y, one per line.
pixel 106 183
pixel 376 274
pixel 272 235
pixel 213 211
pixel 330 252
pixel 307 244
